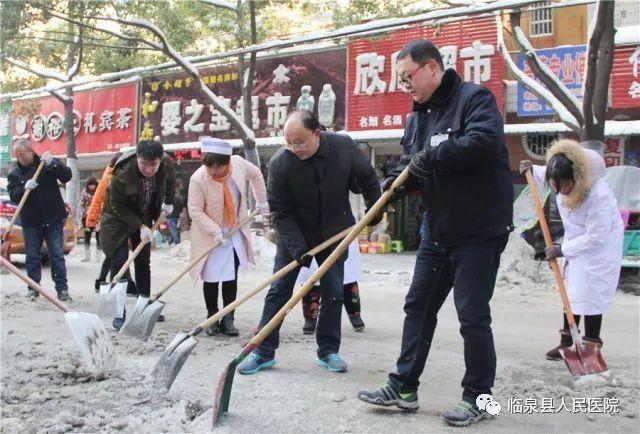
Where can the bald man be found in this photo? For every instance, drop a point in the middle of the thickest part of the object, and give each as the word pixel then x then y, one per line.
pixel 308 192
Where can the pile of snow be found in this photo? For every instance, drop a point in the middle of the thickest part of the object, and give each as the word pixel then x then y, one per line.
pixel 177 252
pixel 517 266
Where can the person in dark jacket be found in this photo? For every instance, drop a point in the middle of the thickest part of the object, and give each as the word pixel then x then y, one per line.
pixel 44 213
pixel 455 148
pixel 142 186
pixel 172 219
pixel 308 193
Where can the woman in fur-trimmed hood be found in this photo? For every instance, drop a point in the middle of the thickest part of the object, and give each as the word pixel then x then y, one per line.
pixel 593 234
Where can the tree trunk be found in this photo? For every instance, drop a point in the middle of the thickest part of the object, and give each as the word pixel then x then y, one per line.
pixel 73 186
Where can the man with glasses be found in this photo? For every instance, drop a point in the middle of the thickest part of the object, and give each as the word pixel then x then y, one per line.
pixel 142 186
pixel 308 192
pixel 455 148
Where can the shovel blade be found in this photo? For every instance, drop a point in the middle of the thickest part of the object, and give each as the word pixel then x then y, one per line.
pixel 171 361
pixel 225 382
pixel 142 320
pixel 588 361
pixel 92 339
pixel 111 301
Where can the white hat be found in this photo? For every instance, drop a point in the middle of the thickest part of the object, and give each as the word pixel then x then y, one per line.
pixel 215 146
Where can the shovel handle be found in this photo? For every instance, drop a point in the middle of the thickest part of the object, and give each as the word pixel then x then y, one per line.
pixel 23 200
pixel 333 257
pixel 202 254
pixel 277 276
pixel 136 252
pixel 46 294
pixel 548 242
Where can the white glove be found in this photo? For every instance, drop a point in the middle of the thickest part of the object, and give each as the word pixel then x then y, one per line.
pixel 219 238
pixel 47 157
pixel 30 184
pixel 145 232
pixel 167 208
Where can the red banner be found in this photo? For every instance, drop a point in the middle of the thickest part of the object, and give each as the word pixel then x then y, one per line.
pixel 104 120
pixel 375 99
pixel 625 78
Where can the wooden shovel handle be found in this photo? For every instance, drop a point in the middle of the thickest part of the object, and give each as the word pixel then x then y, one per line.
pixel 333 257
pixel 23 200
pixel 202 254
pixel 136 252
pixel 277 276
pixel 46 294
pixel 548 241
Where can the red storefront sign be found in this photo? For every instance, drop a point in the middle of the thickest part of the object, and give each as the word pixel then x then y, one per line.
pixel 625 79
pixel 375 99
pixel 613 152
pixel 104 120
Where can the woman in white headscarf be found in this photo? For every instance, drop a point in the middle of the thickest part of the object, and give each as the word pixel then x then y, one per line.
pixel 593 235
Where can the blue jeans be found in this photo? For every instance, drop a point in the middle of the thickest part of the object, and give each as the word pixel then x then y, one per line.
pixel 174 237
pixel 471 270
pixel 328 326
pixel 52 235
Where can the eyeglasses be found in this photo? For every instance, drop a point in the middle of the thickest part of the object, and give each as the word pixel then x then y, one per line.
pixel 296 146
pixel 406 79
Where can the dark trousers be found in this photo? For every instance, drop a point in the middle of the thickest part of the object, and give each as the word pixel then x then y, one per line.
pixel 328 328
pixel 141 263
pixel 592 325
pixel 350 298
pixel 87 235
pixel 52 234
pixel 174 233
pixel 229 292
pixel 471 270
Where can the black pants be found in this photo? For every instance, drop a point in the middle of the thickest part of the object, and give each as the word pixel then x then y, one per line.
pixel 87 237
pixel 350 299
pixel 471 270
pixel 141 264
pixel 592 325
pixel 229 292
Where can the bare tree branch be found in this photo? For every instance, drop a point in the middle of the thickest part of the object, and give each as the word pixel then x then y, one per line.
pixel 543 73
pixel 77 43
pixel 63 98
pixel 220 4
pixel 38 70
pixel 88 44
pixel 530 84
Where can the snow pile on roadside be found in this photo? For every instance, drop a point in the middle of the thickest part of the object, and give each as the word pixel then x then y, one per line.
pixel 518 268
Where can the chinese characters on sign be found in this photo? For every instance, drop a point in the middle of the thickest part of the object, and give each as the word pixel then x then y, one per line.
pixel 625 80
pixel 567 63
pixel 604 405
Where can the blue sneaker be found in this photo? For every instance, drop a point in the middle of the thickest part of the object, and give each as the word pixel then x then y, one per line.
pixel 255 362
pixel 333 363
pixel 387 396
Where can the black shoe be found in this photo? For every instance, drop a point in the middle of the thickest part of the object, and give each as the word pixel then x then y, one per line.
pixel 387 396
pixel 161 318
pixel 213 330
pixel 227 326
pixel 356 322
pixel 97 284
pixel 309 326
pixel 32 293
pixel 64 296
pixel 464 414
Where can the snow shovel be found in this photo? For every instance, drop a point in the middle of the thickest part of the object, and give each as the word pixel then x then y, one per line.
pixel 87 330
pixel 145 315
pixel 225 382
pixel 175 355
pixel 585 359
pixel 113 294
pixel 5 248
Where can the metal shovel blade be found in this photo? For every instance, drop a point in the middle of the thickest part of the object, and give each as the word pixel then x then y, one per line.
pixel 92 339
pixel 171 361
pixel 588 361
pixel 142 320
pixel 111 300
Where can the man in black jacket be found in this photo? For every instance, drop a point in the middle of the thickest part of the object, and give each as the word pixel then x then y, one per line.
pixel 454 144
pixel 308 192
pixel 44 213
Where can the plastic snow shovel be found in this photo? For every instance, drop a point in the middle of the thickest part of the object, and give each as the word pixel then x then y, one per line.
pixel 5 248
pixel 145 315
pixel 585 359
pixel 175 355
pixel 225 382
pixel 87 330
pixel 112 294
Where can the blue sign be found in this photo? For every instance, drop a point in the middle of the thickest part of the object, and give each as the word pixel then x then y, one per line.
pixel 568 63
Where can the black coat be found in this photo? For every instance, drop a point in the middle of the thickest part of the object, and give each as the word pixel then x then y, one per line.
pixel 44 205
pixel 469 194
pixel 309 199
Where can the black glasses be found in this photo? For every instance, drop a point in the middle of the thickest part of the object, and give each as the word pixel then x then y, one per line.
pixel 406 79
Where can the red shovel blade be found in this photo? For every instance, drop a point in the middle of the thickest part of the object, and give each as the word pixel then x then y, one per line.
pixel 588 361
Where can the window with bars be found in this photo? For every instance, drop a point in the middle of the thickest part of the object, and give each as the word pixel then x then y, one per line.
pixel 540 19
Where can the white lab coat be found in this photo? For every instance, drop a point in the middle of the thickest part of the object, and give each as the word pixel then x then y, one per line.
pixel 593 238
pixel 352 267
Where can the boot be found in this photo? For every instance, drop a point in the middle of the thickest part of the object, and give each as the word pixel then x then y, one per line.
pixel 97 284
pixel 356 322
pixel 227 326
pixel 565 341
pixel 592 341
pixel 87 254
pixel 309 326
pixel 214 329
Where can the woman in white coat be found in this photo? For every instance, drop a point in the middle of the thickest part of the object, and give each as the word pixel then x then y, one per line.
pixel 217 201
pixel 593 235
pixel 350 295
